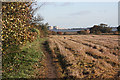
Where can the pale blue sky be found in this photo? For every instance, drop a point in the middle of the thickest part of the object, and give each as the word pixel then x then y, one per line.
pixel 79 14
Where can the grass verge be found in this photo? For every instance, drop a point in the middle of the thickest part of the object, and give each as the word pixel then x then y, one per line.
pixel 21 64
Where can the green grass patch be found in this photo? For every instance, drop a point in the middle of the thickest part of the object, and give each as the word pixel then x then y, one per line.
pixel 20 64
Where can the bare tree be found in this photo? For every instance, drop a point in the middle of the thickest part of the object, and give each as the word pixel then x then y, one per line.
pixel 36 19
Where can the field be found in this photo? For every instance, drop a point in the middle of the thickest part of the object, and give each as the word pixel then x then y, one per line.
pixel 85 56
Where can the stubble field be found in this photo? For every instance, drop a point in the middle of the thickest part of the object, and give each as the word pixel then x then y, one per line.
pixel 85 56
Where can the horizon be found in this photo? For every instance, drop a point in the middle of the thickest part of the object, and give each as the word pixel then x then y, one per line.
pixel 79 14
pixel 83 27
pixel 80 27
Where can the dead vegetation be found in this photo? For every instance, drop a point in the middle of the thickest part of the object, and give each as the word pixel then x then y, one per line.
pixel 85 56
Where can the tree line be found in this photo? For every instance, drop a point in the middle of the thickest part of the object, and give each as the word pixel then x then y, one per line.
pixel 96 29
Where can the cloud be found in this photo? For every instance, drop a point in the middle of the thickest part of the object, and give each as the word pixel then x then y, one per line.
pixel 80 13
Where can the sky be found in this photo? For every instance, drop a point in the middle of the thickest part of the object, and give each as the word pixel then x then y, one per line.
pixel 79 14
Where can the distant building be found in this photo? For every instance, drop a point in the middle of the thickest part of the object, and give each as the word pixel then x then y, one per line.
pixel 61 28
pixel 54 28
pixel 50 27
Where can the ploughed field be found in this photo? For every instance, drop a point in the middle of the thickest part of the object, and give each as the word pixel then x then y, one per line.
pixel 85 56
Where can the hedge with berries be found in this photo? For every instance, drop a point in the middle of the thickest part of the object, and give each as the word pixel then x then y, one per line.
pixel 16 18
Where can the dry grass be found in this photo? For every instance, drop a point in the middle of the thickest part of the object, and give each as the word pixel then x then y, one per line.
pixel 87 56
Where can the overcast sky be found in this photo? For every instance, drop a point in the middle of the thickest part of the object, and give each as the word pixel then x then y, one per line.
pixel 79 14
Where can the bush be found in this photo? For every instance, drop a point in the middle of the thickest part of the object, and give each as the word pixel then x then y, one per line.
pixel 65 33
pixel 15 18
pixel 118 28
pixel 98 32
pixel 33 30
pixel 59 33
pixel 52 33
pixel 19 55
pixel 82 32
pixel 98 29
pixel 116 32
pixel 43 29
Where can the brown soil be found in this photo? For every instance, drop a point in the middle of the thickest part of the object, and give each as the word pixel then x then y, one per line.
pixel 48 69
pixel 51 70
pixel 85 56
